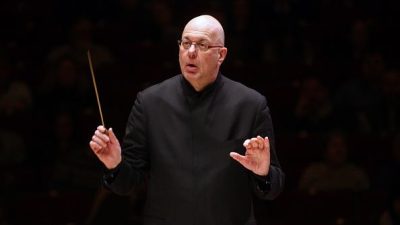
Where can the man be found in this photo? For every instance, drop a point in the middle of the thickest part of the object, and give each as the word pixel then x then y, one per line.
pixel 186 135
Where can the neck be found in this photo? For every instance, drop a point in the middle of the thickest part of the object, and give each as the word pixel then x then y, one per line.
pixel 200 85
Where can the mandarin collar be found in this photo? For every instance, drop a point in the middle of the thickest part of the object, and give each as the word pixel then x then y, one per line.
pixel 190 91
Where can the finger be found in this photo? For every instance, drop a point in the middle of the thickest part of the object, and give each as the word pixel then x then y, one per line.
pixel 95 147
pixel 266 142
pixel 254 143
pixel 246 143
pixel 101 128
pixel 102 136
pixel 240 158
pixel 113 138
pixel 99 141
pixel 261 142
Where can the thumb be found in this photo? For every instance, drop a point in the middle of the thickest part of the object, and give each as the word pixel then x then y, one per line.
pixel 241 159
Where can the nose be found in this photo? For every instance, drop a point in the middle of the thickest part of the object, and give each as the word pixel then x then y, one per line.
pixel 192 51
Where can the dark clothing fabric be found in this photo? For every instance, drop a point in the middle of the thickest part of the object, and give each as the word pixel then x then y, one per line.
pixel 180 139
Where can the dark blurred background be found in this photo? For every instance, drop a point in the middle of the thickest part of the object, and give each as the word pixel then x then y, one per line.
pixel 329 69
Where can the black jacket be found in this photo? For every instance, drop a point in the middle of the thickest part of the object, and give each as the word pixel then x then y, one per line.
pixel 181 140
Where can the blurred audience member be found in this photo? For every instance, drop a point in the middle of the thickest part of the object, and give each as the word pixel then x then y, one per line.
pixel 65 88
pixel 163 21
pixel 81 40
pixel 391 216
pixel 335 172
pixel 15 111
pixel 130 23
pixel 357 101
pixel 240 27
pixel 12 149
pixel 73 166
pixel 313 110
pixel 16 98
pixel 15 95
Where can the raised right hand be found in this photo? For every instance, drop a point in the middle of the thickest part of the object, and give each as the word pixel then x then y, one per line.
pixel 106 146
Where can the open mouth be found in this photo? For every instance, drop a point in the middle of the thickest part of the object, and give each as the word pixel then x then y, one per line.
pixel 190 65
pixel 191 68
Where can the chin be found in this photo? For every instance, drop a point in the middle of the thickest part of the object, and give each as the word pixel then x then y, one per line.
pixel 191 76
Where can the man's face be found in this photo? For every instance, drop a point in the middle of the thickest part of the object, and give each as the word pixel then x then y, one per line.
pixel 199 67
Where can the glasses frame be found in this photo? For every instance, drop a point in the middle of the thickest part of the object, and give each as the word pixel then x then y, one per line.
pixel 196 46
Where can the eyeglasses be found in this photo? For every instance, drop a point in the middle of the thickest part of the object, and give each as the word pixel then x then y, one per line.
pixel 202 46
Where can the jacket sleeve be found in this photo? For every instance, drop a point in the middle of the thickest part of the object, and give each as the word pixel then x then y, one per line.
pixel 134 166
pixel 271 186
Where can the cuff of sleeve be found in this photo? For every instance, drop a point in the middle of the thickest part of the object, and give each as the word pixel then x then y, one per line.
pixel 110 174
pixel 263 182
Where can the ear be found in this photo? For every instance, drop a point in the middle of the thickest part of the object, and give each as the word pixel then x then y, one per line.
pixel 222 55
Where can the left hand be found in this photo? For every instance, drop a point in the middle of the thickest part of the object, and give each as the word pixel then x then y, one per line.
pixel 257 155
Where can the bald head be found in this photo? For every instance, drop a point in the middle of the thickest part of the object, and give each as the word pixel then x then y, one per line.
pixel 208 25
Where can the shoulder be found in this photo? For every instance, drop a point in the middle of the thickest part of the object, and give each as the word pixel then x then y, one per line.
pixel 163 88
pixel 167 84
pixel 240 91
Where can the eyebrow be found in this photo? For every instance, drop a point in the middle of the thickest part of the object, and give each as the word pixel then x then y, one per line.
pixel 202 40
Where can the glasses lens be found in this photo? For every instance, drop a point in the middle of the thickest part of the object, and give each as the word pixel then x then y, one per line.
pixel 203 46
pixel 186 44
